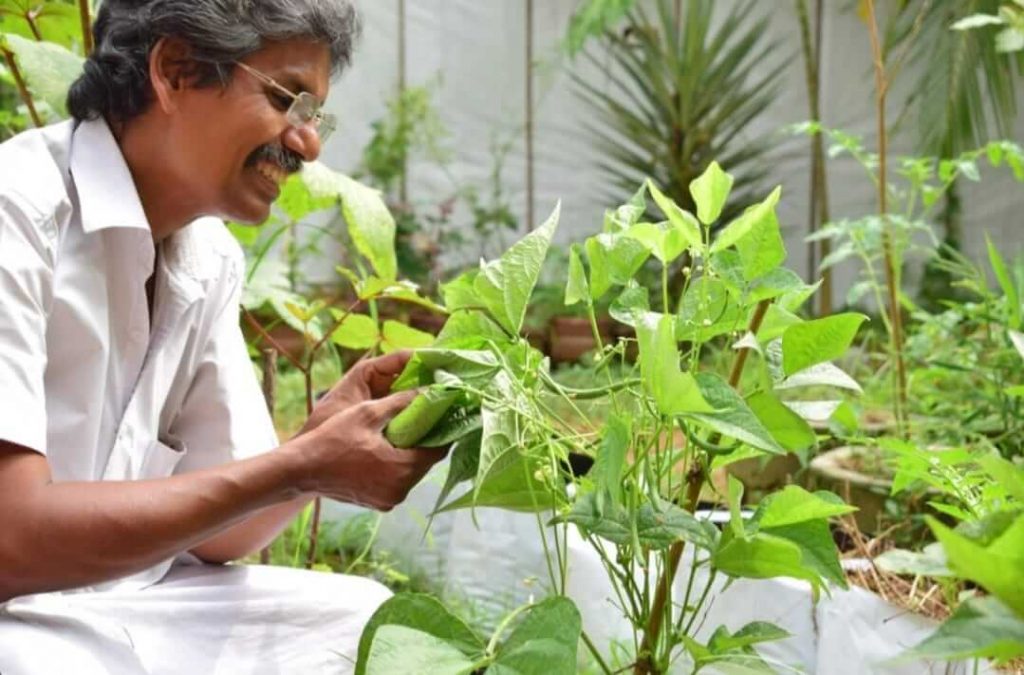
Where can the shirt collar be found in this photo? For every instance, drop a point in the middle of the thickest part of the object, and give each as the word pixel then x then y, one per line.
pixel 106 192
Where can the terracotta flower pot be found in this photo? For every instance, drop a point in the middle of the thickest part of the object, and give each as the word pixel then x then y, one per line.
pixel 570 337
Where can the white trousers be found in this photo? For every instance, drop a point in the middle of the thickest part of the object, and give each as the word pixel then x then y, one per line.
pixel 203 619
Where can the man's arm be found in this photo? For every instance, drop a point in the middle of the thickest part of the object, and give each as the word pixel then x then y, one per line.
pixel 367 380
pixel 70 534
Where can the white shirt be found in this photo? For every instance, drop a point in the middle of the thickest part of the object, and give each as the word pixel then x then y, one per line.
pixel 86 378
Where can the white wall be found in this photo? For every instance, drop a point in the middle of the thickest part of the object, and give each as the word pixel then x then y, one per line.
pixel 479 49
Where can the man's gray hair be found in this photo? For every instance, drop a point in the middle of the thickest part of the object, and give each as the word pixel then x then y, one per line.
pixel 115 83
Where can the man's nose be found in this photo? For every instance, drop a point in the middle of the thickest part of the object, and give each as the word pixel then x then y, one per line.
pixel 303 140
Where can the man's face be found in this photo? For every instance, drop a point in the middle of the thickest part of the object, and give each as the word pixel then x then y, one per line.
pixel 238 143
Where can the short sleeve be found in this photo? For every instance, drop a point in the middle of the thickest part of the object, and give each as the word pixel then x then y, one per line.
pixel 27 256
pixel 224 416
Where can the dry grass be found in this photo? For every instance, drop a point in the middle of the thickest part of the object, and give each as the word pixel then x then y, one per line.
pixel 919 595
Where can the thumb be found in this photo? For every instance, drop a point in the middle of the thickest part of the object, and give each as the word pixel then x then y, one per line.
pixel 381 411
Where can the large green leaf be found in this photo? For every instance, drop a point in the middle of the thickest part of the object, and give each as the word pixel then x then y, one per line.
pixel 505 285
pixel 790 430
pixel 929 562
pixel 793 504
pixel 762 249
pixel 399 650
pixel 664 241
pixel 674 391
pixel 732 417
pixel 468 364
pixel 545 641
pixel 48 69
pixel 818 551
pixel 997 567
pixel 423 613
pixel 512 483
pixel 681 221
pixel 707 310
pixel 614 259
pixel 297 201
pixel 806 344
pixel 357 331
pixel 397 335
pixel 576 288
pixel 762 556
pixel 710 191
pixel 370 225
pixel 753 218
pixel 979 628
pixel 465 459
pixel 656 529
pixel 56 21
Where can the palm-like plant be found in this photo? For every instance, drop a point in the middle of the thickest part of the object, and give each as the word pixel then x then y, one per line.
pixel 678 90
pixel 966 88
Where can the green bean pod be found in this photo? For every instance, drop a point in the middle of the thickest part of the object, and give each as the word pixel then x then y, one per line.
pixel 409 426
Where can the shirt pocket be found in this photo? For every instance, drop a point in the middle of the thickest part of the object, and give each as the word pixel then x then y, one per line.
pixel 162 456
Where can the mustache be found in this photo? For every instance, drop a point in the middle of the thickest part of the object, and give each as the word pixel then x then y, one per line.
pixel 289 160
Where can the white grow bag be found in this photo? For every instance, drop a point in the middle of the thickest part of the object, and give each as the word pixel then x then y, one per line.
pixel 498 562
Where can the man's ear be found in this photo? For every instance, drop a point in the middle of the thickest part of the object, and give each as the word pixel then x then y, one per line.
pixel 171 71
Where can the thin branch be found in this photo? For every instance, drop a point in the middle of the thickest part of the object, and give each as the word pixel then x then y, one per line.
pixel 254 322
pixel 83 15
pixel 19 82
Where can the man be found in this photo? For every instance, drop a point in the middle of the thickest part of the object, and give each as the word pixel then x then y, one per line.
pixel 132 431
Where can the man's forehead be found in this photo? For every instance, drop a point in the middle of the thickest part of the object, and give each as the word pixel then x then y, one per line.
pixel 297 65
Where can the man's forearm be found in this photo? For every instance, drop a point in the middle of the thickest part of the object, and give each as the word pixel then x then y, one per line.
pixel 71 534
pixel 251 534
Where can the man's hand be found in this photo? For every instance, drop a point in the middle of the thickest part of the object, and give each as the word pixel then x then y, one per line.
pixel 347 456
pixel 366 380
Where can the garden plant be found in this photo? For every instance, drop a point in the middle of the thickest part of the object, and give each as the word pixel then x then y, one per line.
pixel 666 423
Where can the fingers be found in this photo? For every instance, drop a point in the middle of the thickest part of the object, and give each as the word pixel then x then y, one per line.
pixel 380 411
pixel 380 373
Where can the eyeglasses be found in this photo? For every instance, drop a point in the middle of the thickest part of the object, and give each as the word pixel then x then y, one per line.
pixel 304 109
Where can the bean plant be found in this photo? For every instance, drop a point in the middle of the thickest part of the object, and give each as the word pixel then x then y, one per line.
pixel 665 423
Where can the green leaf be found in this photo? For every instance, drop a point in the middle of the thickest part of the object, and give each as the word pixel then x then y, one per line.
pixel 545 641
pixel 499 427
pixel 357 331
pixel 296 200
pixel 614 259
pixel 710 191
pixel 818 552
pixel 997 567
pixel 681 221
pixel 979 628
pixel 467 364
pixel 752 218
pixel 819 340
pixel 422 613
pixel 505 285
pixel 1005 282
pixel 610 460
pixel 732 417
pixel 48 69
pixel 793 504
pixel 753 633
pixel 370 224
pixel 977 21
pixel 762 556
pixel 397 336
pixel 465 459
pixel 576 289
pixel 1005 473
pixel 663 241
pixel 56 21
pixel 632 302
pixel 458 422
pixel 656 529
pixel 397 650
pixel 708 310
pixel 929 562
pixel 789 430
pixel 510 484
pixel 673 391
pixel 762 249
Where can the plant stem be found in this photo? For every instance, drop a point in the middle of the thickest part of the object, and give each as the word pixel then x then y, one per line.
pixel 891 273
pixel 19 82
pixel 596 654
pixel 83 15
pixel 493 644
pixel 694 482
